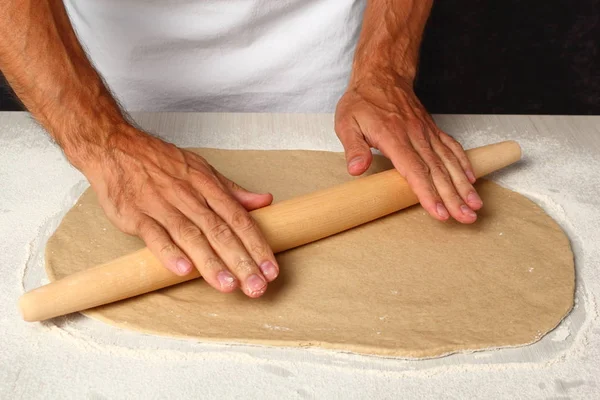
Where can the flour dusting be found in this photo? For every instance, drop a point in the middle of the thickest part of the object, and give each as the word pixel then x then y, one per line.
pixel 276 328
pixel 97 361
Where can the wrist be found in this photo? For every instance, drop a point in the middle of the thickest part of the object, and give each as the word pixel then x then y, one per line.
pixel 385 69
pixel 86 142
pixel 389 50
pixel 82 124
pixel 381 77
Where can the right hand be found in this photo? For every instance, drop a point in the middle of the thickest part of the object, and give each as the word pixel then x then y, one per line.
pixel 186 212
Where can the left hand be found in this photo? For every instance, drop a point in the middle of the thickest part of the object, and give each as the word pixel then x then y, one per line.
pixel 382 111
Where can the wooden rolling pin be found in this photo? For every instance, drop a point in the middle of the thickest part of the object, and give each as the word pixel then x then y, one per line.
pixel 286 225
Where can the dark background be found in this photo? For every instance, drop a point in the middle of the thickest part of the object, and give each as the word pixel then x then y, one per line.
pixel 501 57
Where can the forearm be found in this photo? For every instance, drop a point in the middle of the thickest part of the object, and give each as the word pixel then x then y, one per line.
pixel 390 38
pixel 48 69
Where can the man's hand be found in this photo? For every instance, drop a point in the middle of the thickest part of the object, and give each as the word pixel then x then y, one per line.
pixel 383 112
pixel 186 212
pixel 380 109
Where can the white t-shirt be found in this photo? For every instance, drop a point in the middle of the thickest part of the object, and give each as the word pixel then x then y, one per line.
pixel 221 55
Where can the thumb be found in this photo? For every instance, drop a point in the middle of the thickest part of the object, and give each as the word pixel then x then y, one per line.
pixel 358 151
pixel 250 200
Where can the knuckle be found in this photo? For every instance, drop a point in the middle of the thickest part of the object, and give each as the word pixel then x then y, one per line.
pixel 210 219
pixel 355 147
pixel 222 233
pixel 416 126
pixel 242 220
pixel 244 266
pixel 168 248
pixel 446 153
pixel 444 135
pixel 190 232
pixel 206 181
pixel 419 169
pixel 182 189
pixel 447 137
pixel 196 204
pixel 452 143
pixel 438 171
pixel 213 264
pixel 391 119
pixel 420 140
pixel 259 248
pixel 457 147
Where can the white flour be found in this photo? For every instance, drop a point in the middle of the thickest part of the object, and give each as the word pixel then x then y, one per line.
pixel 78 357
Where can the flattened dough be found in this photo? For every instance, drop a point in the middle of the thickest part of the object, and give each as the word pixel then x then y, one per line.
pixel 405 285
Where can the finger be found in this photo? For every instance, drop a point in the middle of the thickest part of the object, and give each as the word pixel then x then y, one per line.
pixel 230 248
pixel 245 228
pixel 441 178
pixel 240 225
pixel 190 239
pixel 259 248
pixel 464 188
pixel 250 200
pixel 222 238
pixel 243 222
pixel 460 154
pixel 357 150
pixel 413 168
pixel 160 244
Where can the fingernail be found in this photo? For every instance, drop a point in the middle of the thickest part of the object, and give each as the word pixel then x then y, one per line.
pixel 183 266
pixel 441 210
pixel 355 161
pixel 471 176
pixel 226 280
pixel 467 211
pixel 269 270
pixel 474 198
pixel 256 284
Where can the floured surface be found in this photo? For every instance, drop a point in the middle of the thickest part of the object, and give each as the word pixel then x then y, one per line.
pixel 405 285
pixel 78 357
